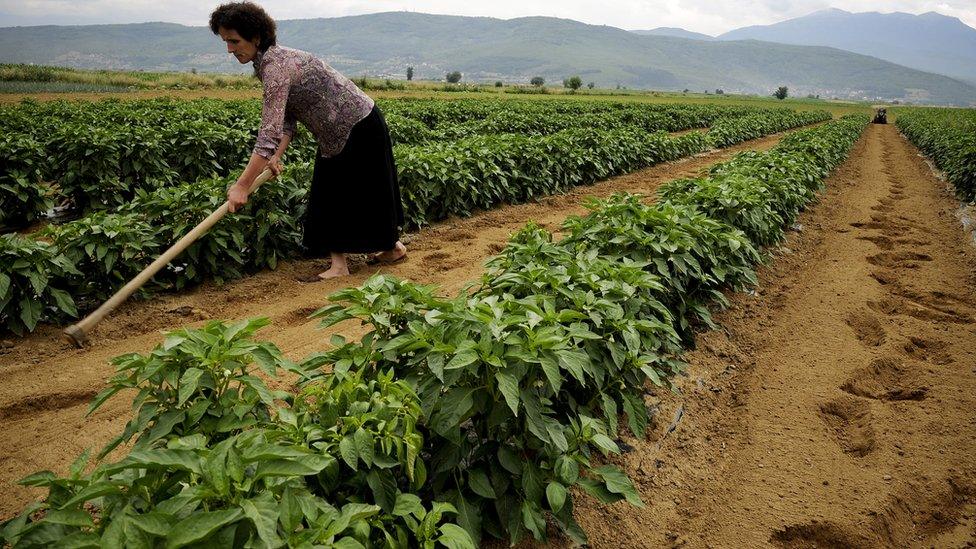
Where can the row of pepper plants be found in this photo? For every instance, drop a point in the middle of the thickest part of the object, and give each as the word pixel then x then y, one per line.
pixel 948 137
pixel 99 154
pixel 453 420
pixel 48 275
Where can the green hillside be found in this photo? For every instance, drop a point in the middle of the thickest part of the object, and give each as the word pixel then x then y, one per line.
pixel 487 49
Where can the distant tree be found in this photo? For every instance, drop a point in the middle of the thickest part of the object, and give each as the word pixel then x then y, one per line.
pixel 537 81
pixel 591 85
pixel 685 90
pixel 573 82
pixel 781 92
pixel 719 91
pixel 499 83
pixel 409 73
pixel 454 77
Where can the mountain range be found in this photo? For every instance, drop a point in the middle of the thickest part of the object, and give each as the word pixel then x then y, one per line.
pixel 930 42
pixel 513 50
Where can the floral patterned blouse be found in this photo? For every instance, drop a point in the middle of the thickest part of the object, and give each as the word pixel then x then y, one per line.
pixel 299 87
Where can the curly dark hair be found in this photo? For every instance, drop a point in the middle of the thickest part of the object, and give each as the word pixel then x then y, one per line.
pixel 248 19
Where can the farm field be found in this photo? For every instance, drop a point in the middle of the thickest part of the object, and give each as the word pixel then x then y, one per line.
pixel 832 406
pixel 136 175
pixel 837 108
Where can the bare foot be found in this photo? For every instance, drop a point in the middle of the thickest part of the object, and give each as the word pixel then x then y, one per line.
pixel 398 252
pixel 334 272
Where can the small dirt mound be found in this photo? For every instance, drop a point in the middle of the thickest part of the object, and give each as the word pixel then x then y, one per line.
pixel 850 420
pixel 867 328
pixel 928 350
pixel 898 259
pixel 885 378
pixel 298 316
pixel 882 242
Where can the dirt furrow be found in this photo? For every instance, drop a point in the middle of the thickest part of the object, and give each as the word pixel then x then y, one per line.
pixel 43 424
pixel 837 405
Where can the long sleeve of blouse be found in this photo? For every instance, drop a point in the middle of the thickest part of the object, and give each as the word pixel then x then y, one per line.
pixel 298 87
pixel 275 120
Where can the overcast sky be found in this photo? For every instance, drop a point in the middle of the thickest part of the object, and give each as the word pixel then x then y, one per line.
pixel 707 16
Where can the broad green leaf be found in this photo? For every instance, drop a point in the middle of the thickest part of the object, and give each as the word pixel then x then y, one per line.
pixel 200 525
pixel 605 444
pixel 384 489
pixel 69 517
pixel 30 312
pixel 636 414
pixel 164 425
pixel 263 513
pixel 155 523
pixel 289 509
pixel 598 490
pixel 185 460
pixel 462 359
pixel 408 504
pixel 347 448
pixel 533 519
pixel 575 362
pixel 619 483
pixel 479 483
pixel 298 467
pixel 567 470
pixel 364 446
pixel 551 369
pixel 92 491
pixel 454 537
pixel 188 384
pixel 509 460
pixel 63 300
pixel 508 386
pixel 556 495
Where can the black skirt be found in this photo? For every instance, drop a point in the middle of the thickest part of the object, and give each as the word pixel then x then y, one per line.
pixel 354 203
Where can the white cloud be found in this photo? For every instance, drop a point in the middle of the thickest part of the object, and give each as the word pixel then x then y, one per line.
pixel 705 16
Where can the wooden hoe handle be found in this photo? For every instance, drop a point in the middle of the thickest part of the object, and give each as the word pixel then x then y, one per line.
pixel 78 333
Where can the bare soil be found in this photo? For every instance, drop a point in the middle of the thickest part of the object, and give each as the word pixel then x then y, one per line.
pixel 835 407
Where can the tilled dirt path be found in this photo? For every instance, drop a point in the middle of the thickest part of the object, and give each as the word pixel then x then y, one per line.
pixel 837 406
pixel 47 385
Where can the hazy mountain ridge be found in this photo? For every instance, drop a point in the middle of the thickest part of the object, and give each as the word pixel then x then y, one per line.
pixel 675 32
pixel 486 49
pixel 930 42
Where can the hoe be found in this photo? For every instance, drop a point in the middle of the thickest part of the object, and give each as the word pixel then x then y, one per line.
pixel 78 333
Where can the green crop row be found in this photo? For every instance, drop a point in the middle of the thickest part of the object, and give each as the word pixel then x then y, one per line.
pixel 93 256
pixel 452 419
pixel 99 154
pixel 53 273
pixel 443 179
pixel 948 137
pixel 215 462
